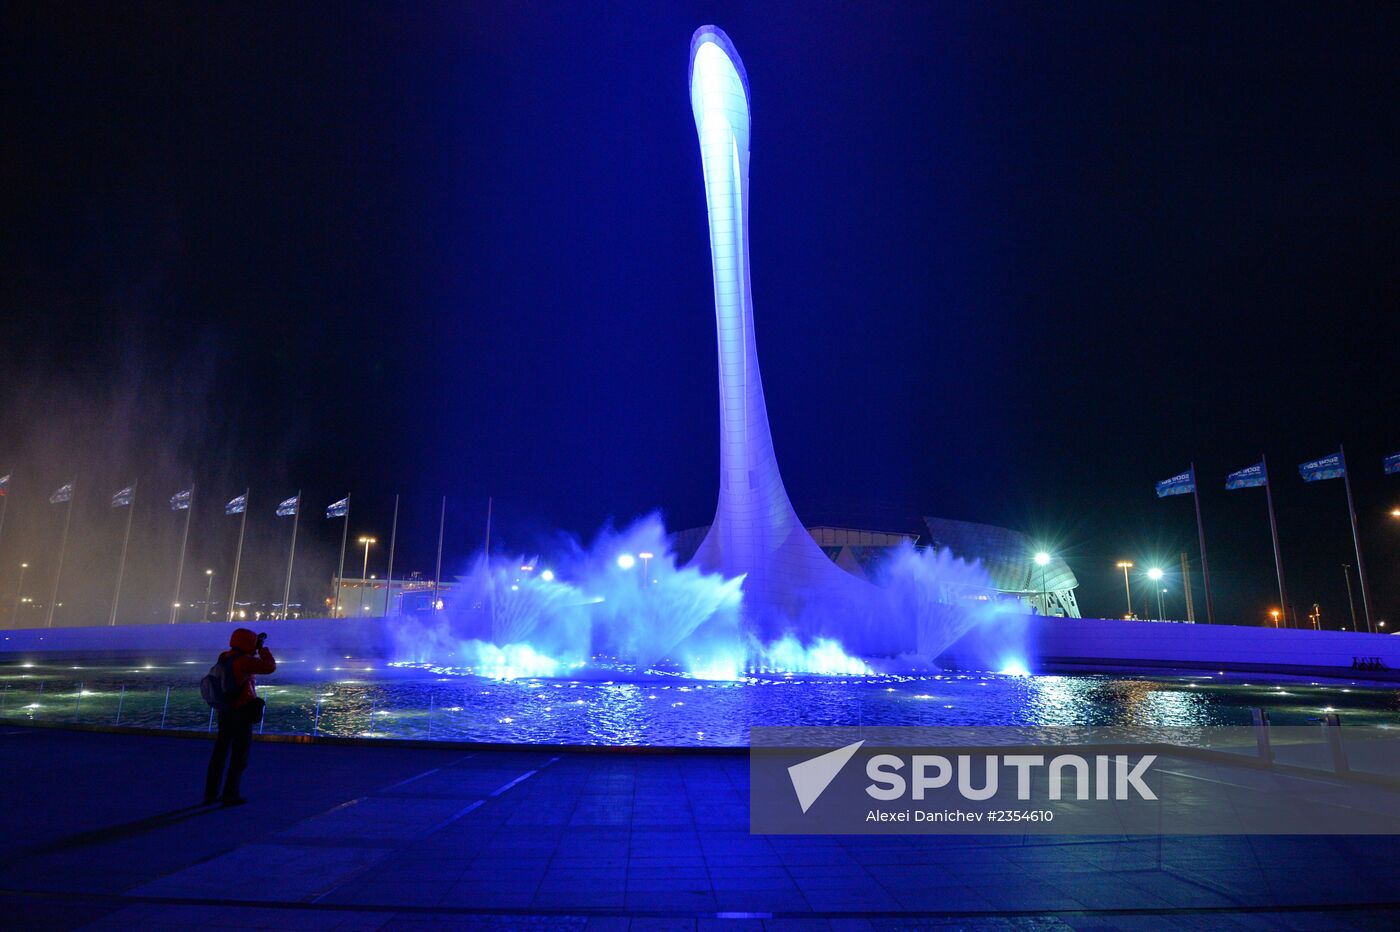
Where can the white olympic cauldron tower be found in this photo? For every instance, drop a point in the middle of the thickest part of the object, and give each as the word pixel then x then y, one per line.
pixel 756 532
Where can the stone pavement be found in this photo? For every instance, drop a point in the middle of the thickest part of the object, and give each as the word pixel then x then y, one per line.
pixel 98 831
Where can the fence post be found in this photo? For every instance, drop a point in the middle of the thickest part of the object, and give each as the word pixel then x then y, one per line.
pixel 121 700
pixel 165 708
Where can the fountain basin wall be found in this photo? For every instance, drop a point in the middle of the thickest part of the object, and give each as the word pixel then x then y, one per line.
pixel 360 637
pixel 1089 642
pixel 1036 641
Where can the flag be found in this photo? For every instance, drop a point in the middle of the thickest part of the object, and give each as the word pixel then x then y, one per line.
pixel 339 509
pixel 1392 466
pixel 289 507
pixel 1329 467
pixel 1181 484
pixel 180 501
pixel 62 495
pixel 1247 478
pixel 236 506
pixel 5 484
pixel 123 498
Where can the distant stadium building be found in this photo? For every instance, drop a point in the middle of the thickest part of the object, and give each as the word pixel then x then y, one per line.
pixel 1008 557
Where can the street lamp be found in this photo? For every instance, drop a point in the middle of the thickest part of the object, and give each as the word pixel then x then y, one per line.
pixel 19 590
pixel 208 592
pixel 1155 574
pixel 1275 613
pixel 364 571
pixel 646 562
pixel 1042 560
pixel 1126 565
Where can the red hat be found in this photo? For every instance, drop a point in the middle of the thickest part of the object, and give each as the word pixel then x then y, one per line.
pixel 243 639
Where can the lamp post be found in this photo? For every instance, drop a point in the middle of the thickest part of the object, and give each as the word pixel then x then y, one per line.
pixel 646 563
pixel 1155 574
pixel 19 590
pixel 364 571
pixel 1275 613
pixel 1126 565
pixel 208 591
pixel 1042 560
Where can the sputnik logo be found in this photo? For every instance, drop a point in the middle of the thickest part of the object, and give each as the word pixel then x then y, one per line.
pixel 811 777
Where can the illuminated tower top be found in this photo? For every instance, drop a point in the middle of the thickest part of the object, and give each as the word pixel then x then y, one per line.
pixel 755 533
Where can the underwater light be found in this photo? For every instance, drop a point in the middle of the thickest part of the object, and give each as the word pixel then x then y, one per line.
pixel 1014 667
pixel 547 575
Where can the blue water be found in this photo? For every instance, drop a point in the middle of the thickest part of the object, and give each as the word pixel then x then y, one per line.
pixel 618 707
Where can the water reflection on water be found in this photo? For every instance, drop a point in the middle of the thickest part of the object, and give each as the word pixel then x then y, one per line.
pixel 366 700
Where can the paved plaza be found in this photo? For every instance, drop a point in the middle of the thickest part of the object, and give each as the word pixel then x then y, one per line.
pixel 100 831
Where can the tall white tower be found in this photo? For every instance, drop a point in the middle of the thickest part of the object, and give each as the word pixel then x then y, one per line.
pixel 755 532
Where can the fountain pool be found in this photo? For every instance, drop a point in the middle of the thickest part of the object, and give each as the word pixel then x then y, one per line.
pixel 616 706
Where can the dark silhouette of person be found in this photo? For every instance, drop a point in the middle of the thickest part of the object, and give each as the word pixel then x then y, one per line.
pixel 249 658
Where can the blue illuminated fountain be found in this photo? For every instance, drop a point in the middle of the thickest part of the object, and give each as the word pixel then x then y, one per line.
pixel 759 593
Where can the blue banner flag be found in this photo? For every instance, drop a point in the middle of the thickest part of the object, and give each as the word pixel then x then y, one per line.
pixel 236 506
pixel 1247 478
pixel 339 509
pixel 289 507
pixel 1329 467
pixel 123 498
pixel 5 485
pixel 1392 466
pixel 64 493
pixel 1181 484
pixel 180 501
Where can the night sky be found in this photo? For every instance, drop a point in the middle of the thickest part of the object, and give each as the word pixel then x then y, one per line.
pixel 1011 263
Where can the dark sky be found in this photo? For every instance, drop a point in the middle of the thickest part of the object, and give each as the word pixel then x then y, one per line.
pixel 1012 263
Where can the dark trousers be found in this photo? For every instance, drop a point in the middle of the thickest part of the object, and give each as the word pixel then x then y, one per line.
pixel 235 735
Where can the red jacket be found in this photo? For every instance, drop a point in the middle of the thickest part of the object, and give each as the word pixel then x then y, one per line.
pixel 245 666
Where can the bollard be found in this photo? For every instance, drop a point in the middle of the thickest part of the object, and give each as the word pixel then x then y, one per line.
pixel 120 700
pixel 165 708
pixel 1261 736
pixel 1332 733
pixel 316 725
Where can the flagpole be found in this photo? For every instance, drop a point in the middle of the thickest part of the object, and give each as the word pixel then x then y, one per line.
pixel 238 555
pixel 180 569
pixel 121 566
pixel 1201 533
pixel 437 576
pixel 1186 587
pixel 1356 541
pixel 1273 529
pixel 62 549
pixel 291 556
pixel 340 573
pixel 389 587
